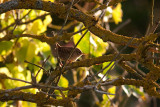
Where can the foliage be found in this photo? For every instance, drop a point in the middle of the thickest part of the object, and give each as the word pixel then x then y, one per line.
pixel 27 40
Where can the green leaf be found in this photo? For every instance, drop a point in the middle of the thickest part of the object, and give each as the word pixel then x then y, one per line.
pixel 109 66
pixel 91 44
pixel 31 51
pixel 105 102
pixel 129 89
pixel 84 43
pixel 21 52
pixel 99 47
pixel 27 51
pixel 63 82
pixel 5 46
pixel 19 30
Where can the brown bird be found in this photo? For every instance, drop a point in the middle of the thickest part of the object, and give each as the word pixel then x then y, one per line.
pixel 64 53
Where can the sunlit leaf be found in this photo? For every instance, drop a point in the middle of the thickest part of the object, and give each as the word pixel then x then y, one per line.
pixel 37 27
pixel 91 44
pixel 47 20
pixel 3 104
pixel 127 90
pixel 112 90
pixel 2 16
pixel 11 20
pixel 19 29
pixel 39 76
pixel 84 43
pixel 133 90
pixel 63 82
pixel 117 13
pixel 105 102
pixel 32 14
pixel 100 48
pixel 105 64
pixel 28 104
pixel 5 71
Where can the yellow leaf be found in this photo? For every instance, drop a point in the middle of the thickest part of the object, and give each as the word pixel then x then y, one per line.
pixel 63 82
pixel 36 27
pixel 117 14
pixel 47 20
pixel 112 90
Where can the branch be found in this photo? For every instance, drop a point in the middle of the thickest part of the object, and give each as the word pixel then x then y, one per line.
pixel 99 60
pixel 38 98
pixel 60 10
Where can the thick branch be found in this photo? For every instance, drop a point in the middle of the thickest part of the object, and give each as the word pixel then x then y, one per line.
pixel 60 10
pixel 99 60
pixel 38 98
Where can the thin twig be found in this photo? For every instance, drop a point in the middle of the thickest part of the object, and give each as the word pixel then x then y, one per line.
pixel 18 88
pixel 19 80
pixel 112 61
pixel 16 22
pixel 36 65
pixel 42 65
pixel 121 25
pixel 59 33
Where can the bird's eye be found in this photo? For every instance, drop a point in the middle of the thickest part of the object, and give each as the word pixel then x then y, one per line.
pixel 79 52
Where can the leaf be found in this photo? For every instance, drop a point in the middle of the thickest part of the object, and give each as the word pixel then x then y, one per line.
pixel 91 44
pixel 127 90
pixel 84 43
pixel 21 52
pixel 63 82
pixel 19 30
pixel 5 46
pixel 32 50
pixel 100 48
pixel 3 104
pixel 32 14
pixel 47 20
pixel 36 28
pixel 112 90
pixel 27 51
pixel 109 66
pixel 117 13
pixel 132 90
pixel 28 104
pixel 105 102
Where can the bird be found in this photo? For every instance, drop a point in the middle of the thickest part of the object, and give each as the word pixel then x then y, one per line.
pixel 64 53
